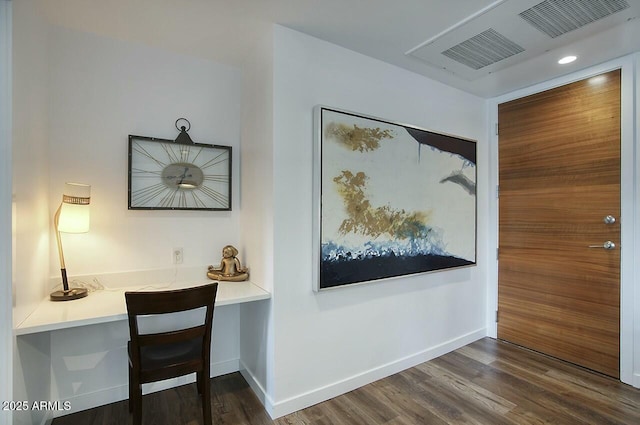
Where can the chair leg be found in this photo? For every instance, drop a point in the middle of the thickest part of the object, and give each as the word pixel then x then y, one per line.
pixel 135 399
pixel 137 407
pixel 205 384
pixel 130 389
pixel 199 381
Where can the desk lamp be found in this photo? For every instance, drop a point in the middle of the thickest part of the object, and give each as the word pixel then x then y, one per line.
pixel 71 217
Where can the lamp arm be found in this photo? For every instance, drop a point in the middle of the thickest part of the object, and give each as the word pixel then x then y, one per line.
pixel 63 269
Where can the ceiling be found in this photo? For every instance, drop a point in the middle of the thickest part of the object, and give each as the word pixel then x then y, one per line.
pixel 411 34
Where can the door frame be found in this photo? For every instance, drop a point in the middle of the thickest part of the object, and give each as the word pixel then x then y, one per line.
pixel 629 196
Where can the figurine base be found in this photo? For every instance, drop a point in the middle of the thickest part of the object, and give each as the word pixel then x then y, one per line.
pixel 236 278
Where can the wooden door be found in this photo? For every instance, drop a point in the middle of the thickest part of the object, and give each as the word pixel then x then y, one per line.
pixel 559 177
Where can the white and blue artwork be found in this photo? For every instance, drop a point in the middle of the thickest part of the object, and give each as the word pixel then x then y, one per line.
pixel 394 200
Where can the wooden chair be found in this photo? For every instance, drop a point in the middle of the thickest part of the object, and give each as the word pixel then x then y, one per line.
pixel 162 355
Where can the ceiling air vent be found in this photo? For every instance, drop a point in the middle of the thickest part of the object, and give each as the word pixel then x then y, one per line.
pixel 510 32
pixel 557 17
pixel 483 49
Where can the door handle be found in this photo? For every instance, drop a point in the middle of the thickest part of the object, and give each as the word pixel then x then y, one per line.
pixel 607 245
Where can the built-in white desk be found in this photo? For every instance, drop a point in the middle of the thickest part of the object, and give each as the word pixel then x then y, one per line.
pixel 108 305
pixel 76 350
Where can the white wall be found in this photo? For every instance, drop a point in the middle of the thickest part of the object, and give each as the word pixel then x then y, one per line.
pixel 30 200
pixel 6 299
pixel 101 91
pixel 30 158
pixel 331 342
pixel 256 213
pixel 77 98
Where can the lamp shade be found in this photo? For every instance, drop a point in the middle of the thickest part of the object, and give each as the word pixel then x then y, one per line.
pixel 74 210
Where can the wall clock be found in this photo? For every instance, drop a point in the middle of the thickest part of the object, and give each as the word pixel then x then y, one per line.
pixel 169 175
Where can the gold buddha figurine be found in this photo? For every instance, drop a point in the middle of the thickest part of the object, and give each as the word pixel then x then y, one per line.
pixel 230 268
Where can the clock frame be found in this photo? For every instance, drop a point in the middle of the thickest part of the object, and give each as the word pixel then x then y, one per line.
pixel 169 175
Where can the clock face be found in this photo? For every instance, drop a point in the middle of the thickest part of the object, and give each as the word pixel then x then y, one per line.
pixel 167 175
pixel 182 175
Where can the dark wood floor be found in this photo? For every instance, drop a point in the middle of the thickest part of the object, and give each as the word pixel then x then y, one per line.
pixel 487 382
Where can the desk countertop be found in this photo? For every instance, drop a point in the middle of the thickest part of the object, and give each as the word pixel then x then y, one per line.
pixel 108 305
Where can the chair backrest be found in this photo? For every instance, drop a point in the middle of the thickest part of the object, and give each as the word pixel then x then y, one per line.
pixel 173 301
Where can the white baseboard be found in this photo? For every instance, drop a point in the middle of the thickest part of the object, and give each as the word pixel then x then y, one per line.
pixel 301 401
pixel 257 388
pixel 121 392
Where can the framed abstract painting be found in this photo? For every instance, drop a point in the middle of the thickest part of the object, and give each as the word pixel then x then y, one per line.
pixel 390 199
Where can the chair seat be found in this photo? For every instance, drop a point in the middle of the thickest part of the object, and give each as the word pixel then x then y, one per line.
pixel 170 355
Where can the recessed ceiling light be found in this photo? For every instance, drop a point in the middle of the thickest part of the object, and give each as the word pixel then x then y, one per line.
pixel 567 59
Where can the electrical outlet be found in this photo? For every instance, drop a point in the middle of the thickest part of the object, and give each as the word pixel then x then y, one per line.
pixel 178 256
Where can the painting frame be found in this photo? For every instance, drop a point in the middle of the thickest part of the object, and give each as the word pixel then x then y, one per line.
pixel 368 223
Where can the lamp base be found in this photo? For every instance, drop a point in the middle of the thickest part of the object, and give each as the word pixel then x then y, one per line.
pixel 70 294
